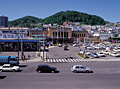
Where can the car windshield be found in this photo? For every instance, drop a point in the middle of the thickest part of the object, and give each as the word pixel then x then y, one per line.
pixel 95 54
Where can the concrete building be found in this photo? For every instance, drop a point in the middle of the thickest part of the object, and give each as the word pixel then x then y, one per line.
pixel 3 21
pixel 13 32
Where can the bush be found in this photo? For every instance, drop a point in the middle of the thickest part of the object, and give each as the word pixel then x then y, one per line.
pixel 82 55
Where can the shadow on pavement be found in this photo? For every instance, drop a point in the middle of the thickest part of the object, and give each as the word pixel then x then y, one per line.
pixel 22 65
pixel 2 77
pixel 85 72
pixel 12 71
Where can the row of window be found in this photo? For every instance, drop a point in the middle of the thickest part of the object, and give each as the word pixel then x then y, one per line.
pixel 78 35
pixel 36 33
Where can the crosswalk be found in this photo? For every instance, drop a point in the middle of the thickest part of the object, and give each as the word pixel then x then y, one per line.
pixel 54 60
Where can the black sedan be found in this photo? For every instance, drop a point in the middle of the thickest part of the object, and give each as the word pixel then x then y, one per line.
pixel 46 69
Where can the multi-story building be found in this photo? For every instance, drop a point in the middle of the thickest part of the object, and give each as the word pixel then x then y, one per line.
pixel 13 32
pixel 60 34
pixel 3 21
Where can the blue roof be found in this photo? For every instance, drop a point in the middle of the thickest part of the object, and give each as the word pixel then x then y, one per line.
pixel 4 56
pixel 13 57
pixel 19 40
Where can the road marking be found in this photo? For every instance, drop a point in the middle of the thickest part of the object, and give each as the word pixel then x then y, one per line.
pixel 82 60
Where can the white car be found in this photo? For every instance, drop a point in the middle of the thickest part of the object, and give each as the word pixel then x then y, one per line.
pixel 60 45
pixel 114 54
pixel 105 52
pixel 80 68
pixel 75 45
pixel 97 47
pixel 116 50
pixel 8 67
pixel 87 53
pixel 101 54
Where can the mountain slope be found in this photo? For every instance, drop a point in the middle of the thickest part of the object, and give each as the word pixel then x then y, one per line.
pixel 74 16
pixel 25 21
pixel 59 18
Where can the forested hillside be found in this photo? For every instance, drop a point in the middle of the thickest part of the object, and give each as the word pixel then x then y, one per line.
pixel 59 18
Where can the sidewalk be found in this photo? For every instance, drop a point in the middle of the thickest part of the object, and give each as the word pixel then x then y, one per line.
pixel 38 58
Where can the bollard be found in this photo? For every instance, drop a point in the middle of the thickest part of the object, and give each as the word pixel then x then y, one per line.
pixel 28 57
pixel 46 56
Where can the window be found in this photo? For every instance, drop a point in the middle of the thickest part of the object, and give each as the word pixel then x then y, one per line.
pixel 80 35
pixel 77 67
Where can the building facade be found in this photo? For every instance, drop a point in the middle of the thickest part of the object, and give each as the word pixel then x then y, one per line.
pixel 3 21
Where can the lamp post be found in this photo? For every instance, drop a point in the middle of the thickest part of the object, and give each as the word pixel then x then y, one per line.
pixel 84 47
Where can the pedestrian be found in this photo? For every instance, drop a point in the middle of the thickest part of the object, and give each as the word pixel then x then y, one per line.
pixel 66 57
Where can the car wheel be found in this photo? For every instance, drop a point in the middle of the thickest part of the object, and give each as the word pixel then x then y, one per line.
pixel 39 71
pixel 52 71
pixel 13 70
pixel 74 71
pixel 87 71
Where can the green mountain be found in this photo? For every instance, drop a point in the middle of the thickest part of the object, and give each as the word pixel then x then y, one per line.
pixel 74 16
pixel 59 18
pixel 25 21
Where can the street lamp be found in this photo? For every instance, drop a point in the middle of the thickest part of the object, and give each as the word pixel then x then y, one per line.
pixel 84 47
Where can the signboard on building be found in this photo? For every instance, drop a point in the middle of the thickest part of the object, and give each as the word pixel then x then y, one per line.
pixel 8 35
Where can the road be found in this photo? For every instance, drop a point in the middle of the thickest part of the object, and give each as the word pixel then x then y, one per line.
pixel 106 75
pixel 59 52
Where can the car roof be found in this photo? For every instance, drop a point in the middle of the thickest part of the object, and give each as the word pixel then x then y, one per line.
pixel 77 65
pixel 42 65
pixel 6 65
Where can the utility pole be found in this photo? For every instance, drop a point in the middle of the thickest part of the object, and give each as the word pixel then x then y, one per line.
pixel 22 42
pixel 84 47
pixel 18 42
pixel 43 43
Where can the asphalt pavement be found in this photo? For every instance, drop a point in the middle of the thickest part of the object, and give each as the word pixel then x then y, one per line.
pixel 105 76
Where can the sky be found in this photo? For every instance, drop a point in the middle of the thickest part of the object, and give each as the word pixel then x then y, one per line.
pixel 109 10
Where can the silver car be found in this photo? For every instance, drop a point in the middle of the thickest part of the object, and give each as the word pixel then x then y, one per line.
pixel 80 68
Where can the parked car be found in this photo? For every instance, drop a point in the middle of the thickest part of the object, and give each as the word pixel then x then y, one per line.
pixel 116 50
pixel 91 48
pixel 59 45
pixel 9 67
pixel 114 54
pixel 75 45
pixel 46 68
pixel 66 48
pixel 101 54
pixel 105 52
pixel 80 68
pixel 86 52
pixel 94 55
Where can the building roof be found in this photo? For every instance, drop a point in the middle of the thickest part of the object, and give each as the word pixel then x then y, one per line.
pixel 78 29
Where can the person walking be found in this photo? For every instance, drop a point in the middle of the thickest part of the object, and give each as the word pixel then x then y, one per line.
pixel 66 57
